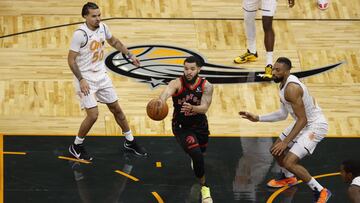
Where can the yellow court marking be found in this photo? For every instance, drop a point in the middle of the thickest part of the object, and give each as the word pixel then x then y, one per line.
pixel 157 197
pixel 277 192
pixel 1 169
pixel 73 159
pixel 127 175
pixel 158 164
pixel 15 153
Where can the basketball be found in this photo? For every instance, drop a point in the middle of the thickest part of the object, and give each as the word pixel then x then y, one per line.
pixel 157 110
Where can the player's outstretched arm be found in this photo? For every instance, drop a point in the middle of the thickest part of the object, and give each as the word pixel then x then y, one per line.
pixel 116 43
pixel 250 116
pixel 170 89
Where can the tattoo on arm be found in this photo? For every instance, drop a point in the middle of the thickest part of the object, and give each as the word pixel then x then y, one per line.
pixel 207 96
pixel 73 66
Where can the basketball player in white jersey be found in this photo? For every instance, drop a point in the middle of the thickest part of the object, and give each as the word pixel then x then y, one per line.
pixel 92 84
pixel 350 173
pixel 301 137
pixel 268 8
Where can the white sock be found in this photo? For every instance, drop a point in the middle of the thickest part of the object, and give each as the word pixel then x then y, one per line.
pixel 314 185
pixel 79 140
pixel 287 173
pixel 250 30
pixel 128 136
pixel 269 57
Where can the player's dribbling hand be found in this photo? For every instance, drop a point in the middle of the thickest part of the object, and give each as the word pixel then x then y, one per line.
pixel 135 61
pixel 291 3
pixel 278 148
pixel 249 116
pixel 84 87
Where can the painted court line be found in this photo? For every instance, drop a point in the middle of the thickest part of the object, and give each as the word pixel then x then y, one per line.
pixel 277 192
pixel 157 197
pixel 127 175
pixel 73 159
pixel 14 153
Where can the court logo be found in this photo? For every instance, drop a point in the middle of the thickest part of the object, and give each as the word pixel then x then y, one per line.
pixel 162 63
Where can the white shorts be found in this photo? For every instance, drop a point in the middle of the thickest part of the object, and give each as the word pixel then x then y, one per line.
pixel 268 7
pixel 101 90
pixel 305 143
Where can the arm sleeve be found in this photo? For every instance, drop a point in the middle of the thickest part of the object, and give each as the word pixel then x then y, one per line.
pixel 275 116
pixel 108 34
pixel 78 40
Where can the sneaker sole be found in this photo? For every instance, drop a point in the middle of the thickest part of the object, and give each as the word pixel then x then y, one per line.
pixel 135 152
pixel 244 61
pixel 289 184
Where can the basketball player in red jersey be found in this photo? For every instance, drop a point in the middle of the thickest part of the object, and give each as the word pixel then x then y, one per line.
pixel 192 97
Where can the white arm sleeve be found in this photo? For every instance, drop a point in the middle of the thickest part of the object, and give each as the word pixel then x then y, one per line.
pixel 78 40
pixel 280 115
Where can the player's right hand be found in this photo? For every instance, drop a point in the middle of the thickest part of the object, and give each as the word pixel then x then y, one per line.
pixel 84 87
pixel 249 116
pixel 291 3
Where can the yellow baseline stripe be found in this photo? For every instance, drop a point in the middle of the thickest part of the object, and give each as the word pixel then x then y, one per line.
pixel 1 169
pixel 157 197
pixel 73 159
pixel 127 175
pixel 15 153
pixel 277 192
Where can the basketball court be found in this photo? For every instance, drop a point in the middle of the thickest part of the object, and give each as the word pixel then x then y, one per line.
pixel 40 115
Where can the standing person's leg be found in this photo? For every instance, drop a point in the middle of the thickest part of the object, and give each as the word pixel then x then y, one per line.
pixel 120 118
pixel 268 8
pixel 250 7
pixel 190 144
pixel 286 177
pixel 305 145
pixel 90 104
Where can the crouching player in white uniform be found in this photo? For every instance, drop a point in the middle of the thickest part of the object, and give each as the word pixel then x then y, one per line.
pixel 300 138
pixel 92 84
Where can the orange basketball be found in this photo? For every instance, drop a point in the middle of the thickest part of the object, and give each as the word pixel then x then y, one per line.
pixel 157 110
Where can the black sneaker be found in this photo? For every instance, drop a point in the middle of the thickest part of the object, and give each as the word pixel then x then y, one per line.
pixel 134 147
pixel 79 152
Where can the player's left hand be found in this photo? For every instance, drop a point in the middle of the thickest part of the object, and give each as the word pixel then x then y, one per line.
pixel 186 108
pixel 278 148
pixel 135 61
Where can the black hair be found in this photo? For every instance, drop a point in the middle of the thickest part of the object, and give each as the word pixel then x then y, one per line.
pixel 285 61
pixel 86 7
pixel 352 166
pixel 193 59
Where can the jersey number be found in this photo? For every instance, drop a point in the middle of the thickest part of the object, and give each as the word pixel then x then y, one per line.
pixel 98 53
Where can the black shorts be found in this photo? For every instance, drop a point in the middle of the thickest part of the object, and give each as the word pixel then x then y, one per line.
pixel 193 137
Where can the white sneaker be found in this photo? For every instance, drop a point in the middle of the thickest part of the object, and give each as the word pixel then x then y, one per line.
pixel 323 4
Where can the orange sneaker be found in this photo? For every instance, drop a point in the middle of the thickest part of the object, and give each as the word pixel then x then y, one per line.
pixel 322 196
pixel 282 182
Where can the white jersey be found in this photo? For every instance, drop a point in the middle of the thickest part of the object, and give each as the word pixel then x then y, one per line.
pixel 313 111
pixel 356 181
pixel 90 45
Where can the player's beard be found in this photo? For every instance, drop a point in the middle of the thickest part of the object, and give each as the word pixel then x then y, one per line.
pixel 277 79
pixel 192 81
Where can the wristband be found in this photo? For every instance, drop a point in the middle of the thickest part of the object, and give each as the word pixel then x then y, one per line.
pixel 129 54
